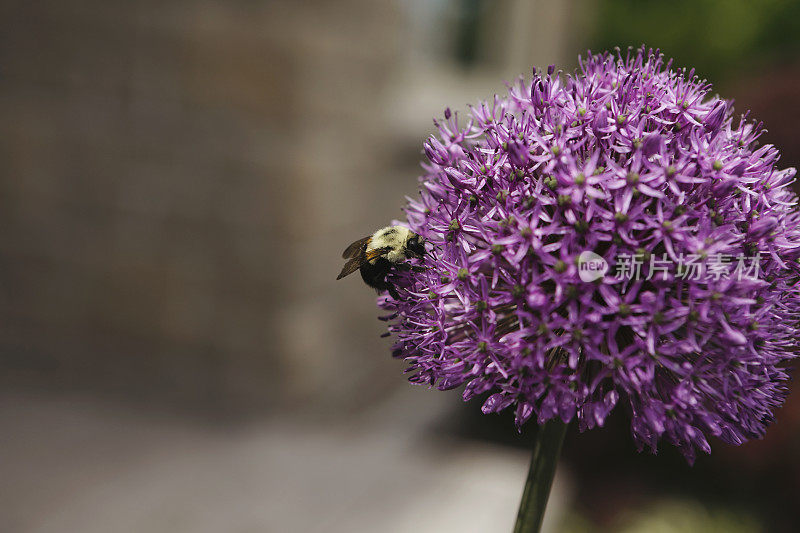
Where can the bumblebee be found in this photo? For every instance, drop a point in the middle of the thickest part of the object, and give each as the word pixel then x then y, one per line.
pixel 375 256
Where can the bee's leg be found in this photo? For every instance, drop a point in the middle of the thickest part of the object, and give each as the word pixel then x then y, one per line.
pixel 405 267
pixel 386 286
pixel 392 291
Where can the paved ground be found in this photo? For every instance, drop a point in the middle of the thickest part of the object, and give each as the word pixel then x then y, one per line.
pixel 82 466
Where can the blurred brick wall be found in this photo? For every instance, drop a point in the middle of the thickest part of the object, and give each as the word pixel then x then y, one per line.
pixel 172 174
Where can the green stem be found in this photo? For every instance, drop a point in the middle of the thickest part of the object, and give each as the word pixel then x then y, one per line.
pixel 546 450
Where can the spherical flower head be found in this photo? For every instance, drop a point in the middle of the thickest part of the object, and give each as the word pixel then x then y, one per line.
pixel 691 326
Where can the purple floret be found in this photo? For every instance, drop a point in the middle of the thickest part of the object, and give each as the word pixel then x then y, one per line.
pixel 626 158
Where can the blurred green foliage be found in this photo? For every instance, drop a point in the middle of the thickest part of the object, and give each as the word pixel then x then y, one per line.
pixel 668 516
pixel 719 38
pixel 688 517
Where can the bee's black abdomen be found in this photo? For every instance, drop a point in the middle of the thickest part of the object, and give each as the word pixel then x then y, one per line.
pixel 374 275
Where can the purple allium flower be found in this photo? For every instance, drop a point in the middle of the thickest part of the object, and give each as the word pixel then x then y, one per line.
pixel 626 158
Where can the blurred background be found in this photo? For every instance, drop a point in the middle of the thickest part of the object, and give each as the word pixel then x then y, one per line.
pixel 178 181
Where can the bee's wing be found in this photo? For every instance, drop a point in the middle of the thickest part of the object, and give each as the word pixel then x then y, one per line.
pixel 355 248
pixel 355 263
pixel 352 265
pixel 377 252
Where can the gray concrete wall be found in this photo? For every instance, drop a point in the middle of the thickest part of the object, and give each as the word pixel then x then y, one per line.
pixel 179 178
